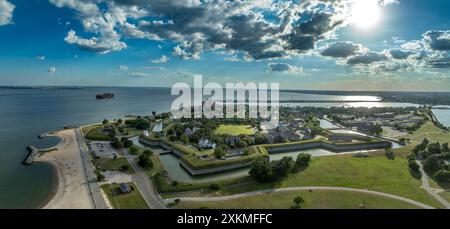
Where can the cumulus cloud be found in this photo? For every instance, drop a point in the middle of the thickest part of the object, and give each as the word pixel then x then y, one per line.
pixel 285 68
pixel 341 49
pixel 366 58
pixel 437 40
pixel 162 59
pixel 101 45
pixel 260 29
pixel 122 68
pixel 51 70
pixel 400 54
pixel 40 57
pixel 6 12
pixel 438 60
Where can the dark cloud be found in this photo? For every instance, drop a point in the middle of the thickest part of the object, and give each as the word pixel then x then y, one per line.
pixel 366 58
pixel 341 49
pixel 400 54
pixel 285 68
pixel 437 40
pixel 199 26
pixel 441 60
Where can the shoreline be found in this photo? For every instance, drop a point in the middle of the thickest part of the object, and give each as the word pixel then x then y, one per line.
pixel 70 187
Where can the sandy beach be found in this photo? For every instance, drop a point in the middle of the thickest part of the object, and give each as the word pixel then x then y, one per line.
pixel 72 191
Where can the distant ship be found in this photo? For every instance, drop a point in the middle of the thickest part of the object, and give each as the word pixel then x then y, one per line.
pixel 105 96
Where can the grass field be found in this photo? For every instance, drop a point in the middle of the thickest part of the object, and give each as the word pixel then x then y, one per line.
pixel 313 200
pixel 234 130
pixel 445 195
pixel 106 164
pixel 132 132
pixel 374 173
pixel 86 129
pixel 96 134
pixel 132 200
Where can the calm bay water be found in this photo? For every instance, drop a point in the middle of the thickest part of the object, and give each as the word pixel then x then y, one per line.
pixel 26 113
pixel 443 115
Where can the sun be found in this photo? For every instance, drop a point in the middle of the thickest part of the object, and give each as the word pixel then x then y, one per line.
pixel 365 14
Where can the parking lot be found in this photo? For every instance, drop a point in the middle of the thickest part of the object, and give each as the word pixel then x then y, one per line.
pixel 101 149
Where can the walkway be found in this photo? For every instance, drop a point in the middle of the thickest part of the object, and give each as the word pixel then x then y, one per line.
pixel 426 186
pixel 221 198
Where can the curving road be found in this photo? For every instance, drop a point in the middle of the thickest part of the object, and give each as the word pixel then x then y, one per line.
pixel 266 191
pixel 145 186
pixel 426 186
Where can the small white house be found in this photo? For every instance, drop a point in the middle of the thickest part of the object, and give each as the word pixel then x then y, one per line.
pixel 205 143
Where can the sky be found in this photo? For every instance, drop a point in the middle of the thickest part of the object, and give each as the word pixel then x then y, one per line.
pixel 302 44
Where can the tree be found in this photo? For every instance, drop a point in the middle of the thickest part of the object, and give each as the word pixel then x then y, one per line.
pixel 220 152
pixel 241 144
pixel 120 121
pixel 376 129
pixel 100 177
pixel 147 153
pixel 298 201
pixel 142 124
pixel 432 164
pixel 116 143
pixel 442 175
pixel 282 167
pixel 105 121
pixel 127 143
pixel 445 148
pixel 125 167
pixel 260 139
pixel 133 150
pixel 303 159
pixel 434 148
pixel 413 166
pixel 184 138
pixel 261 170
pixel 154 113
pixel 145 162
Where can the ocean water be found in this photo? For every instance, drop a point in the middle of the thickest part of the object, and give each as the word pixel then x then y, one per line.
pixel 26 113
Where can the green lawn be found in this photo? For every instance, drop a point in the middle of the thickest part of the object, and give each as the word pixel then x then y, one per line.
pixel 374 173
pixel 96 134
pixel 106 164
pixel 313 200
pixel 445 195
pixel 86 129
pixel 132 200
pixel 132 132
pixel 234 130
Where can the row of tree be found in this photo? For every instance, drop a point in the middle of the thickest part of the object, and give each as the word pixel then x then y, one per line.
pixel 434 156
pixel 264 170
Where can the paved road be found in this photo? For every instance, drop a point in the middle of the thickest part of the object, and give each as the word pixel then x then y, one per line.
pixel 146 186
pixel 221 198
pixel 426 186
pixel 94 188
